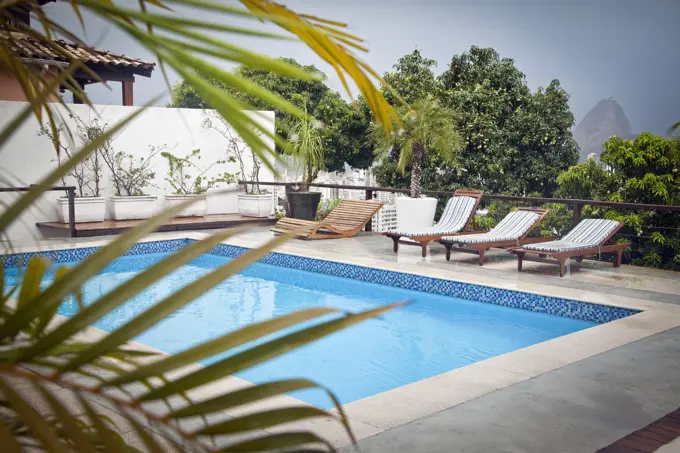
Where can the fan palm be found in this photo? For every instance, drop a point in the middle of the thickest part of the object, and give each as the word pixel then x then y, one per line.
pixel 427 126
pixel 306 149
pixel 45 358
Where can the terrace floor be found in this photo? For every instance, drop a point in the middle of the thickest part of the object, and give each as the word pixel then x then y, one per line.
pixel 581 407
pixel 580 398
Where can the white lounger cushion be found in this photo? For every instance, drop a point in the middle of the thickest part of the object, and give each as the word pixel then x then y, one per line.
pixel 511 228
pixel 455 216
pixel 587 234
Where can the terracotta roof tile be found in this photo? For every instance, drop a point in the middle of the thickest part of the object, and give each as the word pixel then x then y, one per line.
pixel 28 47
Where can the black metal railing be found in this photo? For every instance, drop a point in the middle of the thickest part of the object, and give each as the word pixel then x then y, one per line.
pixel 576 205
pixel 70 193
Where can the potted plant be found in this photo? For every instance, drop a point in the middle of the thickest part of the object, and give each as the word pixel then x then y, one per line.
pixel 90 206
pixel 255 202
pixel 306 149
pixel 187 186
pixel 426 127
pixel 130 177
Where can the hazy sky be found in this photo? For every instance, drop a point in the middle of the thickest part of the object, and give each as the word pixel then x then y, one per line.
pixel 625 49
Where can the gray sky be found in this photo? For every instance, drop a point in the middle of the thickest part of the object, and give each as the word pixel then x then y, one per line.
pixel 625 49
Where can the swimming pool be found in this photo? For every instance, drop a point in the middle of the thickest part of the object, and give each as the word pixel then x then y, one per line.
pixel 434 334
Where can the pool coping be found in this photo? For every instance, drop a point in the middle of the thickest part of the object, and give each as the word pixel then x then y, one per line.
pixel 402 405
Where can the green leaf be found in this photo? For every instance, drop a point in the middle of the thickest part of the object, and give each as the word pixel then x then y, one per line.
pixel 244 396
pixel 110 439
pixel 275 442
pixel 121 294
pixel 70 424
pixel 171 304
pixel 38 425
pixel 221 344
pixel 149 442
pixel 46 316
pixel 266 419
pixel 88 267
pixel 30 285
pixel 261 353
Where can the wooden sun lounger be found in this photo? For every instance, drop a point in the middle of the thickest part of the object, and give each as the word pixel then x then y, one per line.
pixel 560 256
pixel 424 240
pixel 345 220
pixel 479 248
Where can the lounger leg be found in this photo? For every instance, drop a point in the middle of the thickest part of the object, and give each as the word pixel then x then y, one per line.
pixel 448 251
pixel 481 257
pixel 542 255
pixel 423 246
pixel 619 254
pixel 579 259
pixel 562 263
pixel 519 261
pixel 396 243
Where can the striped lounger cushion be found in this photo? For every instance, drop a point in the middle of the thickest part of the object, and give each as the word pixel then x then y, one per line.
pixel 453 219
pixel 511 228
pixel 587 234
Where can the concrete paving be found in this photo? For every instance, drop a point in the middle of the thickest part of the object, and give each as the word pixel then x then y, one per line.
pixel 578 408
pixel 590 275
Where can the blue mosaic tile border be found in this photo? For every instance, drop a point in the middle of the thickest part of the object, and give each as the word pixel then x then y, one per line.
pixel 527 301
pixel 70 255
pixel 516 299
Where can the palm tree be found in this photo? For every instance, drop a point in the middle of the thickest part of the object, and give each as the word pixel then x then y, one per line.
pixel 427 126
pixel 305 146
pixel 41 352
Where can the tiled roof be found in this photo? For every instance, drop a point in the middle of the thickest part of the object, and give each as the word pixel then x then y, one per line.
pixel 28 47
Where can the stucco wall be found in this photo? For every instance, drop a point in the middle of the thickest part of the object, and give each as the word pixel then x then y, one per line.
pixel 28 157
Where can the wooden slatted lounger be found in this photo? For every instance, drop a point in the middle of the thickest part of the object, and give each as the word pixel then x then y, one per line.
pixel 458 216
pixel 586 239
pixel 512 231
pixel 345 220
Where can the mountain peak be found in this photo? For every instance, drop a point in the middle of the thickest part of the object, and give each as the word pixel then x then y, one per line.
pixel 603 121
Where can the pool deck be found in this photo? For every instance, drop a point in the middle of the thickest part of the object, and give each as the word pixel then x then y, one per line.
pixel 577 393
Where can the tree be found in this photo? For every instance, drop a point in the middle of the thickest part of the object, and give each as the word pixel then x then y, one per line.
pixel 516 142
pixel 412 79
pixel 345 124
pixel 306 149
pixel 427 127
pixel 644 170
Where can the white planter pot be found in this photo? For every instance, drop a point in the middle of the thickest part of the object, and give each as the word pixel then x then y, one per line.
pixel 255 205
pixel 134 207
pixel 89 209
pixel 415 214
pixel 195 210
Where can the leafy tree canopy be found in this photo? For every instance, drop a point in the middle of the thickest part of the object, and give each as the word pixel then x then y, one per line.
pixel 644 170
pixel 517 141
pixel 344 124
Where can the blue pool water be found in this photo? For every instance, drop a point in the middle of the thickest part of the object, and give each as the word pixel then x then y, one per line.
pixel 431 335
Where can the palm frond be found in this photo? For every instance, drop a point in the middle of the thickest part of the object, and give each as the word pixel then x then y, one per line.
pixel 41 349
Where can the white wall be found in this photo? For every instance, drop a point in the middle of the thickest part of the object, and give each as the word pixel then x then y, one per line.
pixel 27 157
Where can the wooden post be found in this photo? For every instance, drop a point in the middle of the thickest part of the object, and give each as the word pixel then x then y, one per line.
pixel 369 224
pixel 76 99
pixel 72 211
pixel 127 92
pixel 576 207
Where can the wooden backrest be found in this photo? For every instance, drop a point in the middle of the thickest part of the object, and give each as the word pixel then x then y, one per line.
pixel 351 214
